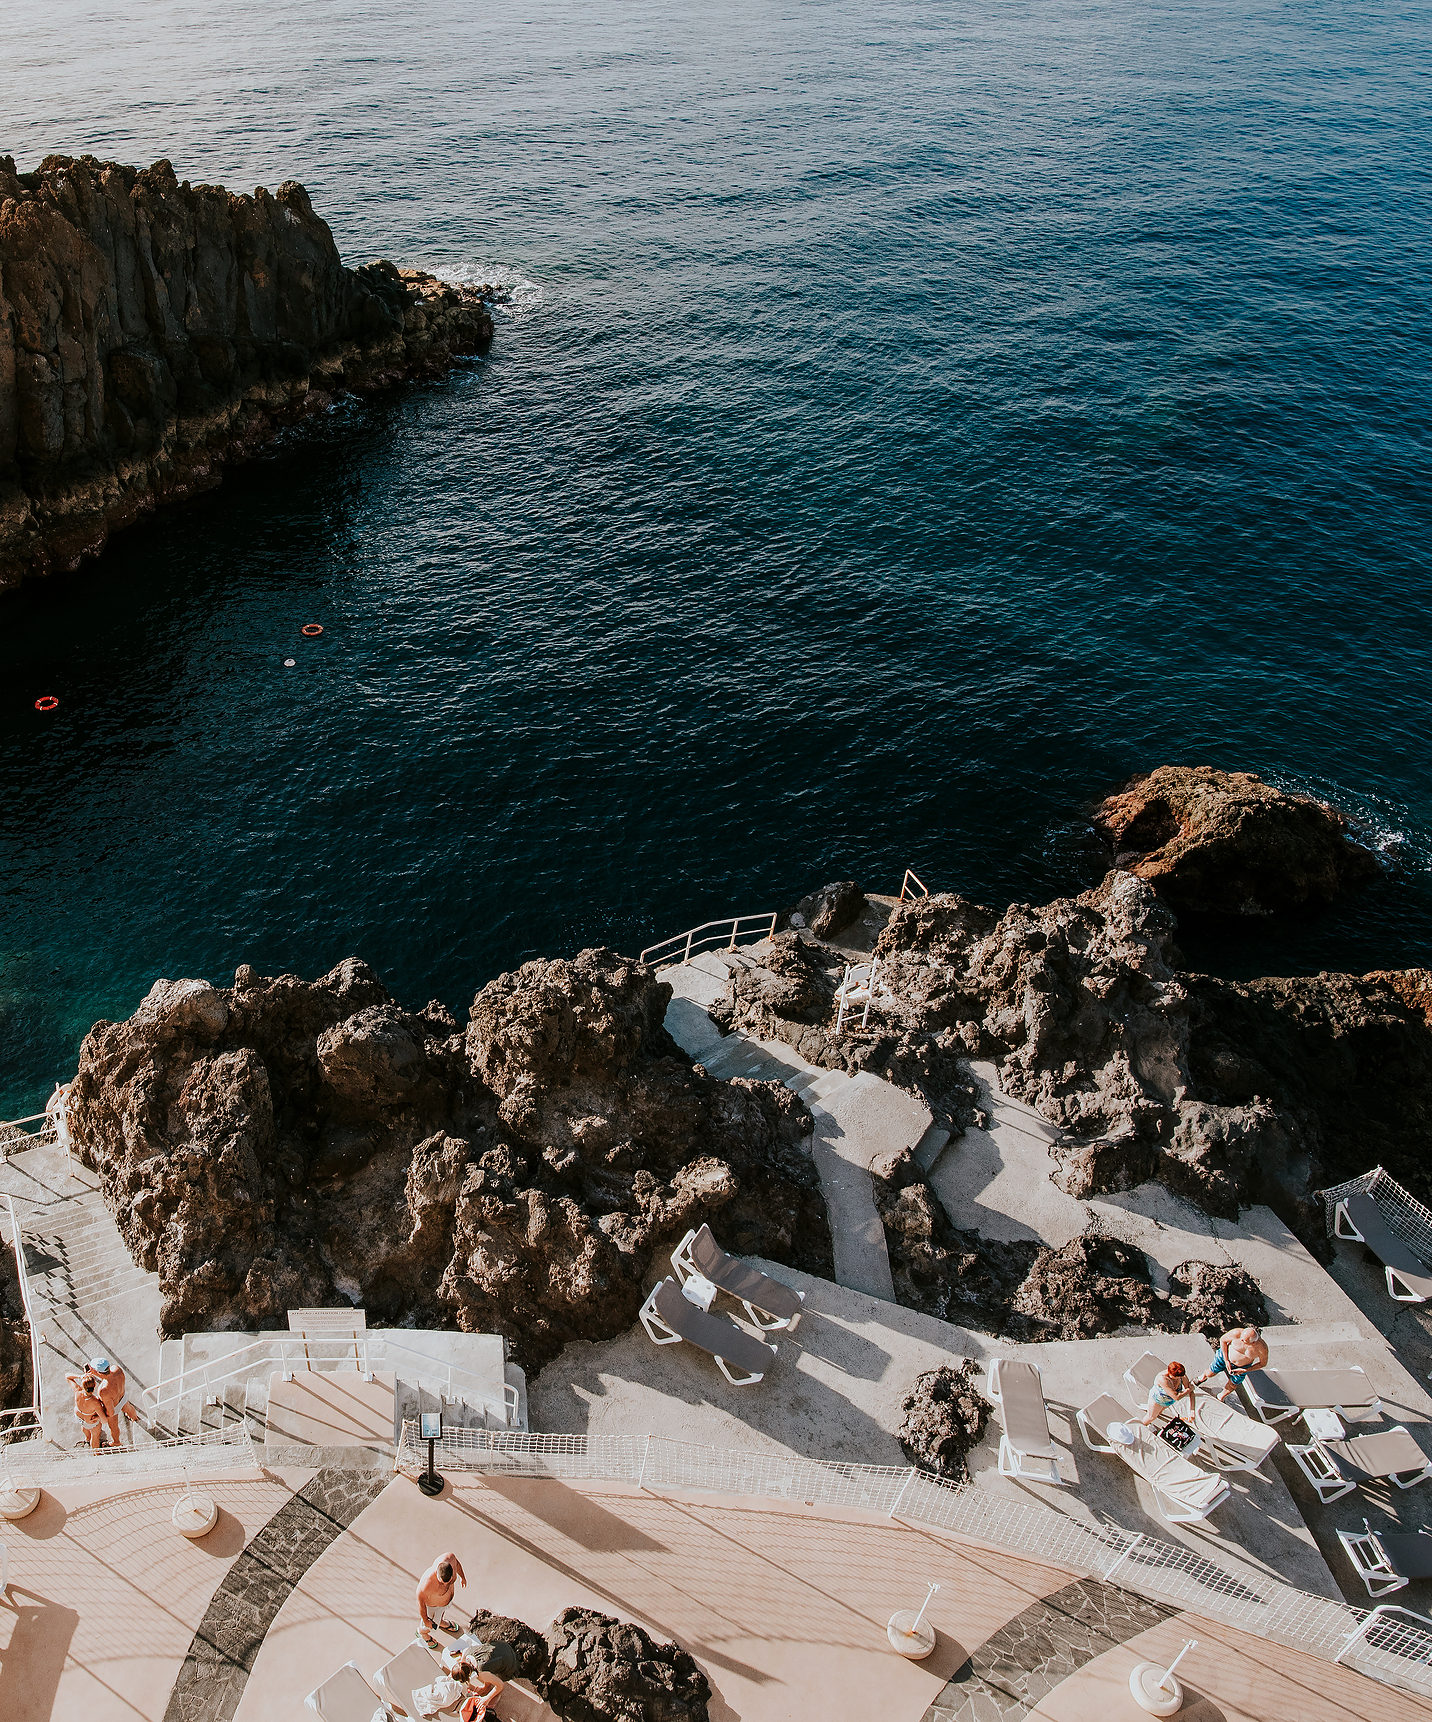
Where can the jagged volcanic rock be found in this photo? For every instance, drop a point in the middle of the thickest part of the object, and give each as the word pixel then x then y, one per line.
pixel 944 1416
pixel 828 910
pixel 534 1658
pixel 152 331
pixel 1226 843
pixel 607 1668
pixel 1213 1298
pixel 286 1143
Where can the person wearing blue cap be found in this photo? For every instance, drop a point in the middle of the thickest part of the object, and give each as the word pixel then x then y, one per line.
pixel 111 1387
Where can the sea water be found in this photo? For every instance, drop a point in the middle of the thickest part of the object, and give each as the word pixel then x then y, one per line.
pixel 904 422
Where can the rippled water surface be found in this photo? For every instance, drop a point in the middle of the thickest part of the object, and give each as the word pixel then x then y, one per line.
pixel 904 422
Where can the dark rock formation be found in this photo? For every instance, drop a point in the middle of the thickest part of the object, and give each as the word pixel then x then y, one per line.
pixel 534 1658
pixel 1226 843
pixel 287 1143
pixel 829 910
pixel 603 1668
pixel 1212 1298
pixel 17 1385
pixel 153 331
pixel 944 1416
pixel 1092 1285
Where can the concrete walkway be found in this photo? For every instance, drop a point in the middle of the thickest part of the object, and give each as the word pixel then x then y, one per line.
pixel 856 1118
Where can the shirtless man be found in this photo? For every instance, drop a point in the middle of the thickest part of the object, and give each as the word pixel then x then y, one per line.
pixel 1240 1349
pixel 435 1590
pixel 90 1410
pixel 111 1390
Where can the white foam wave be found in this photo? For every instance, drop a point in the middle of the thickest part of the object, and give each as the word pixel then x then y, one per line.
pixel 516 294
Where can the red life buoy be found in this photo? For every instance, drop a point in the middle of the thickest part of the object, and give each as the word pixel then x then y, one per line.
pixel 312 629
pixel 46 703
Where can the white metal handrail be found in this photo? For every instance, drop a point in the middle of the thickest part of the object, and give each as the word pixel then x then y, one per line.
pixel 912 879
pixel 761 926
pixel 1399 1654
pixel 15 1139
pixel 41 1461
pixel 286 1352
pixel 36 1409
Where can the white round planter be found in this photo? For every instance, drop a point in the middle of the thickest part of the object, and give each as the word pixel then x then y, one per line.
pixel 917 1644
pixel 19 1502
pixel 195 1514
pixel 1157 1699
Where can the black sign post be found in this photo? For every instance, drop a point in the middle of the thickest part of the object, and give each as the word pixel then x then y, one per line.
pixel 430 1482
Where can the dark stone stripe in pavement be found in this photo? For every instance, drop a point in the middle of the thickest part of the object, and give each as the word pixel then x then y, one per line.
pixel 255 1588
pixel 1033 1653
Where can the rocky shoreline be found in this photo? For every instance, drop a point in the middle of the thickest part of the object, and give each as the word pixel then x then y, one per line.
pixel 153 332
pixel 283 1143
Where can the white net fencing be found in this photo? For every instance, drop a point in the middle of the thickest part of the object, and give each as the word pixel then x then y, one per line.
pixel 1404 1214
pixel 1396 1651
pixel 42 1463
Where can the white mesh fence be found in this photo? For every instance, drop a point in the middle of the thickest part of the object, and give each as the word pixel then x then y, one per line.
pixel 42 1463
pixel 1404 1214
pixel 1398 1651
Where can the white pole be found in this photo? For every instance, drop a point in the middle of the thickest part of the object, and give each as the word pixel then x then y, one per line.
pixel 1163 1685
pixel 919 1617
pixel 874 971
pixel 188 1489
pixel 646 1452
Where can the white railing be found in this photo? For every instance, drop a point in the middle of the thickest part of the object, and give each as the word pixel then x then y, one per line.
pixel 42 1463
pixel 734 930
pixel 365 1352
pixel 1396 1652
pixel 34 1412
pixel 15 1138
pixel 909 880
pixel 1405 1215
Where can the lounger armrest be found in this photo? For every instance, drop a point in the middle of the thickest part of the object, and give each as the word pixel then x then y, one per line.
pixel 681 1262
pixel 1341 1218
pixel 1099 1445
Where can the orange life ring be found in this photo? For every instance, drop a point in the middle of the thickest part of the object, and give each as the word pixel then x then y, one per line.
pixel 46 703
pixel 312 629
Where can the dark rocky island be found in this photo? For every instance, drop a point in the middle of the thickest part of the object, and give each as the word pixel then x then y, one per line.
pixel 153 331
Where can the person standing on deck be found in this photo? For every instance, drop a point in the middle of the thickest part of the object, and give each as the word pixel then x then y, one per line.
pixel 435 1590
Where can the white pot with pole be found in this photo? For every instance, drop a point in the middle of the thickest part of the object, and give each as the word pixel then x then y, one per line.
pixel 195 1513
pixel 911 1634
pixel 1154 1688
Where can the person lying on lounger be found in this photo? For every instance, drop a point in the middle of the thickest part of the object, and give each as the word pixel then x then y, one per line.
pixel 1240 1349
pixel 435 1590
pixel 1165 1394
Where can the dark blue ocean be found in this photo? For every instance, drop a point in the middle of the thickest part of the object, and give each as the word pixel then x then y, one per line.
pixel 905 421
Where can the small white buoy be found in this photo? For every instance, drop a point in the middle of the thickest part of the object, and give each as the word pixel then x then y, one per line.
pixel 195 1515
pixel 910 1634
pixel 1154 1688
pixel 288 663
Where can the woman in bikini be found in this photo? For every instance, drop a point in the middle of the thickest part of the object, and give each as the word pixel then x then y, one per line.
pixel 1166 1392
pixel 90 1409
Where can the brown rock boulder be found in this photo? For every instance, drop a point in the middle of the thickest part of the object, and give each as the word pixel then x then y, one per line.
pixel 944 1415
pixel 603 1668
pixel 830 909
pixel 1226 843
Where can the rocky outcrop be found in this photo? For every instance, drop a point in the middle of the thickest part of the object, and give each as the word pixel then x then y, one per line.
pixel 152 331
pixel 602 1668
pixel 284 1143
pixel 1226 843
pixel 16 1374
pixel 829 910
pixel 944 1415
pixel 534 1658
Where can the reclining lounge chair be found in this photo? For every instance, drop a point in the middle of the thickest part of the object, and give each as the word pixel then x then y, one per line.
pixel 1025 1447
pixel 1335 1468
pixel 1231 1440
pixel 1184 1493
pixel 1388 1560
pixel 1278 1394
pixel 343 1697
pixel 768 1303
pixel 1359 1218
pixel 398 1679
pixel 668 1318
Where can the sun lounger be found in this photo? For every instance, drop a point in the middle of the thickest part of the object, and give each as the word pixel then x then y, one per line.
pixel 1388 1560
pixel 343 1697
pixel 399 1679
pixel 768 1303
pixel 1184 1493
pixel 668 1317
pixel 1231 1440
pixel 1360 1218
pixel 1277 1394
pixel 1025 1446
pixel 1335 1468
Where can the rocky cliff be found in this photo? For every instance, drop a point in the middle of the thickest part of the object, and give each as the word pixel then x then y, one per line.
pixel 284 1143
pixel 151 331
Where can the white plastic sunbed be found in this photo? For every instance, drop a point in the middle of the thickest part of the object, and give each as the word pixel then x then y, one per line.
pixel 400 1678
pixel 668 1318
pixel 1360 1219
pixel 1335 1468
pixel 1025 1446
pixel 344 1697
pixel 1278 1394
pixel 1231 1440
pixel 1184 1493
pixel 1388 1560
pixel 768 1303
